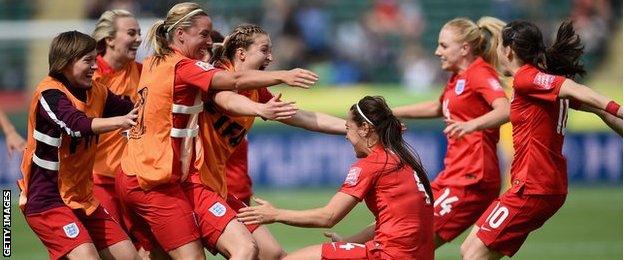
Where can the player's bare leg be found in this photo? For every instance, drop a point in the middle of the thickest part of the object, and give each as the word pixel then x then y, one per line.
pixel 268 247
pixel 236 242
pixel 473 248
pixel 311 252
pixel 120 250
pixel 84 251
pixel 192 250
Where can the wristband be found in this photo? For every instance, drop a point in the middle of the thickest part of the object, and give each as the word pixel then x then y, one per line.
pixel 612 108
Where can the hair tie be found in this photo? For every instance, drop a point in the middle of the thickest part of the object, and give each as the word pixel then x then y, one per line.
pixel 196 11
pixel 362 114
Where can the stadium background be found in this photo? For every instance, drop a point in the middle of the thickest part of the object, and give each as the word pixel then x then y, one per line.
pixel 358 47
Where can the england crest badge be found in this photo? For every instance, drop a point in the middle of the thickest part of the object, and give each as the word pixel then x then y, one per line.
pixel 459 86
pixel 71 230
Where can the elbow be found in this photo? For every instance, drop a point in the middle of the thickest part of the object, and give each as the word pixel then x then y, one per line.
pixel 328 221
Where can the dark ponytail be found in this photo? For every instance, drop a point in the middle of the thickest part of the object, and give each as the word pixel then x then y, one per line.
pixel 562 58
pixel 390 131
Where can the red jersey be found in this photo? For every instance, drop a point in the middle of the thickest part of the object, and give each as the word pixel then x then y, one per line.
pixel 397 199
pixel 538 117
pixel 238 179
pixel 471 159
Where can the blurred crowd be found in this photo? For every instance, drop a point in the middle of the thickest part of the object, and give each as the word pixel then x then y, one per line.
pixel 375 41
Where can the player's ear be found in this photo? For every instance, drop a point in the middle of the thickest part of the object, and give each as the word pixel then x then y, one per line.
pixel 241 54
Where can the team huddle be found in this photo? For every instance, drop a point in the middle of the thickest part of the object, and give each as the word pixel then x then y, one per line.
pixel 128 160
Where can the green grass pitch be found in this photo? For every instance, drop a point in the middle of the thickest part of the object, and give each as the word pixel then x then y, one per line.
pixel 589 226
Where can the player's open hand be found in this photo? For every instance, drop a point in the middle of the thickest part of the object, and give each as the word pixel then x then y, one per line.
pixel 129 120
pixel 333 236
pixel 300 78
pixel 276 109
pixel 457 129
pixel 263 213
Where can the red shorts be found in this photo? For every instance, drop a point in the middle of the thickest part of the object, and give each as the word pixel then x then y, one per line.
pixel 214 213
pixel 165 209
pixel 505 225
pixel 137 230
pixel 62 229
pixel 346 250
pixel 458 208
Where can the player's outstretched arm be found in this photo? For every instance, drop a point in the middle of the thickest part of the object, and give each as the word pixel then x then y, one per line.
pixel 429 109
pixel 103 125
pixel 253 79
pixel 317 122
pixel 589 97
pixel 14 141
pixel 612 121
pixel 239 105
pixel 498 116
pixel 361 237
pixel 325 217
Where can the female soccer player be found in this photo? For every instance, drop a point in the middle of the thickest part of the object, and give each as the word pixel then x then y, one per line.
pixel 543 91
pixel 388 176
pixel 161 150
pixel 118 37
pixel 248 47
pixel 14 142
pixel 474 105
pixel 63 123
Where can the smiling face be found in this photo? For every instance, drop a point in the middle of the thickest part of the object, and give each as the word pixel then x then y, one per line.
pixel 450 50
pixel 80 72
pixel 127 39
pixel 195 40
pixel 258 55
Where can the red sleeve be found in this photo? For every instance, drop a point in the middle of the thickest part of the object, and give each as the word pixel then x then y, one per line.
pixel 195 73
pixel 359 182
pixel 537 84
pixel 264 95
pixel 486 83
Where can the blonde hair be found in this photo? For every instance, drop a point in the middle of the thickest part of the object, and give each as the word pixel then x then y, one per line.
pixel 483 36
pixel 105 27
pixel 180 15
pixel 241 37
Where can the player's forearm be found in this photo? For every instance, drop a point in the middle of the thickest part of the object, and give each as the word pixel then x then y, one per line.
pixel 610 120
pixel 585 95
pixel 317 122
pixel 6 125
pixel 103 125
pixel 235 104
pixel 312 218
pixel 498 116
pixel 430 109
pixel 363 236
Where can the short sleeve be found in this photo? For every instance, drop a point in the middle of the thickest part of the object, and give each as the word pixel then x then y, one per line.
pixel 539 85
pixel 487 85
pixel 195 73
pixel 358 182
pixel 264 95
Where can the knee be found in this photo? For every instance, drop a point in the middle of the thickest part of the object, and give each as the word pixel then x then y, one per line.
pixel 465 250
pixel 246 249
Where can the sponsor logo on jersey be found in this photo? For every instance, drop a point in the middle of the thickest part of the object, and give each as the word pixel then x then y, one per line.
pixel 204 66
pixel 352 176
pixel 218 209
pixel 71 230
pixel 544 80
pixel 494 84
pixel 459 86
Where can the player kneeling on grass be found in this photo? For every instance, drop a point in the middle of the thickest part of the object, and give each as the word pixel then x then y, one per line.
pixel 391 180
